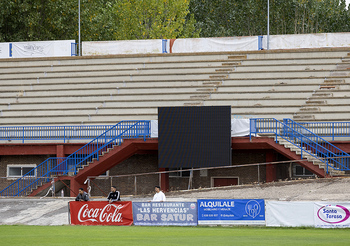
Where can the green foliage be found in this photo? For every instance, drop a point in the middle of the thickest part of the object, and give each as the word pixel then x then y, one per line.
pixel 151 19
pixel 24 20
pixel 249 17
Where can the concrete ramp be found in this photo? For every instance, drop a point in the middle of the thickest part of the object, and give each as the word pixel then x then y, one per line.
pixel 47 211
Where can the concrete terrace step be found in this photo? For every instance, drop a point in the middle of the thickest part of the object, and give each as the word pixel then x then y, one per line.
pixel 123 80
pixel 258 100
pixel 299 53
pixel 114 72
pixel 311 97
pixel 127 87
pixel 216 93
pixel 287 67
pixel 111 67
pixel 117 59
pixel 292 61
pixel 179 71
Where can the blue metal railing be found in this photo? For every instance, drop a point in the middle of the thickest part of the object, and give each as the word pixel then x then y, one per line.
pixel 87 132
pixel 82 157
pixel 328 129
pixel 304 139
pixel 62 133
pixel 32 176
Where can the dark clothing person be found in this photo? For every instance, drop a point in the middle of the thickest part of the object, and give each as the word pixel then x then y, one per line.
pixel 83 197
pixel 114 196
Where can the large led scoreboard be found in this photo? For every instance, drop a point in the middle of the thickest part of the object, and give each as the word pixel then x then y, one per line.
pixel 192 137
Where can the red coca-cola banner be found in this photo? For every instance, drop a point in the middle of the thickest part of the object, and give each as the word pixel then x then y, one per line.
pixel 100 213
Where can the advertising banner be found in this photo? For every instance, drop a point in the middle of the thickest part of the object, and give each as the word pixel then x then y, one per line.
pixel 231 212
pixel 287 213
pixel 332 214
pixel 32 49
pixel 100 213
pixel 165 213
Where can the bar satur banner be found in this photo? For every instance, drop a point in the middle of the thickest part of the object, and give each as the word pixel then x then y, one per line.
pixel 100 213
pixel 231 212
pixel 165 213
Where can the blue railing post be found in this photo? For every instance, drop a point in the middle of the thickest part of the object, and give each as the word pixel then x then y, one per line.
pixel 164 44
pixel 276 131
pixel 260 39
pixel 74 49
pixel 10 49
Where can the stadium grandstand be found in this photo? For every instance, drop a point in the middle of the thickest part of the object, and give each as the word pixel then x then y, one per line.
pixel 65 119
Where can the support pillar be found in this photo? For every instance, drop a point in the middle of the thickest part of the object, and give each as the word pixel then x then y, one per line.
pixel 74 187
pixel 60 151
pixel 270 168
pixel 164 179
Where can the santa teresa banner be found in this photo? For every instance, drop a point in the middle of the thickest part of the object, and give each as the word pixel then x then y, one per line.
pixel 100 213
pixel 332 214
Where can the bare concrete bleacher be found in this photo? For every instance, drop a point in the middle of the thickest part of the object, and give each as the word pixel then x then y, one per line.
pixel 304 85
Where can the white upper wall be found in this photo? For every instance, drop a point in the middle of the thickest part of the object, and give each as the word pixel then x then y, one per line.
pixel 249 43
pixel 36 49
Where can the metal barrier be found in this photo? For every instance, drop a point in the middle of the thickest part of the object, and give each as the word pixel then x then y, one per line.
pixel 305 140
pixel 65 133
pixel 34 178
pixel 82 157
pixel 85 132
pixel 328 129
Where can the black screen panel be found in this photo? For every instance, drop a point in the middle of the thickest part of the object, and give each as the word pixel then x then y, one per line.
pixel 194 136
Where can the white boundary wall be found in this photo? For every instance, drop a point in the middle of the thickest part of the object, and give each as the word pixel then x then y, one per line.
pixel 4 50
pixel 122 47
pixel 249 43
pixel 36 49
pixel 298 41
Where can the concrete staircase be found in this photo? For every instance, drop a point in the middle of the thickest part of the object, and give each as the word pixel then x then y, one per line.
pixel 309 157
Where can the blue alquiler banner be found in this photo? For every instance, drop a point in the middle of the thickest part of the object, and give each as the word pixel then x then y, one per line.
pixel 165 213
pixel 231 211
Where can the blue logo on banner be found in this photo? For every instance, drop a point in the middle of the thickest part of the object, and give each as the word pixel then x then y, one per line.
pixel 229 211
pixel 165 213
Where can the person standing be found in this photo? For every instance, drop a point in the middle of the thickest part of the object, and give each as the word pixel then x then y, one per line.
pixel 159 196
pixel 82 196
pixel 114 195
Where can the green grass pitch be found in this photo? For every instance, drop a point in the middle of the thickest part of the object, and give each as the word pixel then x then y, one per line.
pixel 137 235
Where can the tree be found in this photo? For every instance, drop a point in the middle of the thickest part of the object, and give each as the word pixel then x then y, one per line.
pixel 249 17
pixel 152 19
pixel 23 20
